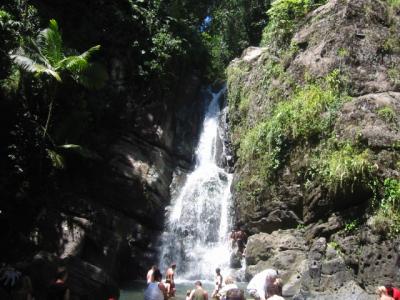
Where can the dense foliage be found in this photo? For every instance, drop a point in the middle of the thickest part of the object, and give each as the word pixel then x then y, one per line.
pixel 283 126
pixel 58 117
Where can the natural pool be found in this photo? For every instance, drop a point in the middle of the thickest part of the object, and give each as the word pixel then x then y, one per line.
pixel 135 290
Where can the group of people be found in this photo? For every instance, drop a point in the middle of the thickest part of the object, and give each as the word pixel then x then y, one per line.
pixel 264 286
pixel 157 289
pixel 223 290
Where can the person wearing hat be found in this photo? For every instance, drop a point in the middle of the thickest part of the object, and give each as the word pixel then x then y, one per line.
pixel 170 277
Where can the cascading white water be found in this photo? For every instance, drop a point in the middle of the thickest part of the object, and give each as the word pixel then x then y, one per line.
pixel 196 235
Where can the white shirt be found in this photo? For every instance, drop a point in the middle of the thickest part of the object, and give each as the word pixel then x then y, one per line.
pixel 259 282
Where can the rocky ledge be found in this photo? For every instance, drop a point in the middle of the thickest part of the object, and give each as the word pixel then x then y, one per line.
pixel 325 234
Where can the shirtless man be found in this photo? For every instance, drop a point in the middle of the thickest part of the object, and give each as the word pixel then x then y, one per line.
pixel 241 240
pixel 150 277
pixel 198 293
pixel 170 277
pixel 218 283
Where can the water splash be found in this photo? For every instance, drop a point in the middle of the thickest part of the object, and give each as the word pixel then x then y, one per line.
pixel 196 235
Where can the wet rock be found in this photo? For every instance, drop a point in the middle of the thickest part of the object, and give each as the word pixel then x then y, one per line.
pixel 235 261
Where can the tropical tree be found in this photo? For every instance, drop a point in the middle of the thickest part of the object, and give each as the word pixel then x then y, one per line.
pixel 46 56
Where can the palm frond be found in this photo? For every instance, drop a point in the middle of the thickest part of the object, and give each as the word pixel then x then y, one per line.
pixel 74 64
pixel 31 66
pixel 36 53
pixel 87 54
pixel 93 77
pixel 49 42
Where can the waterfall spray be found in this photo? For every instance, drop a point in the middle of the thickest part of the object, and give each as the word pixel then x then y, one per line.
pixel 196 234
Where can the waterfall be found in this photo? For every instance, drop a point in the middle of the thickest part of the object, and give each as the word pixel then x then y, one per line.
pixel 196 234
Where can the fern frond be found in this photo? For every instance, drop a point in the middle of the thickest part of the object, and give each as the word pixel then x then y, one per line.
pixel 49 42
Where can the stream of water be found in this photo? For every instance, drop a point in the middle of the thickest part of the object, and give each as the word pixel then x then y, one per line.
pixel 196 235
pixel 197 228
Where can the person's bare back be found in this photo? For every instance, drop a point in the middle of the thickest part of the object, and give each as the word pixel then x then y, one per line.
pixel 170 276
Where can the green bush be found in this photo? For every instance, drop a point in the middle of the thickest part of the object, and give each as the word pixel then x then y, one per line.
pixel 351 226
pixel 387 114
pixel 306 116
pixel 284 16
pixel 387 217
pixel 343 167
pixel 394 3
pixel 394 75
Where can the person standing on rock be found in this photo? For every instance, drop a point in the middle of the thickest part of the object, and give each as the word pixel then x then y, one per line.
pixel 170 275
pixel 218 283
pixel 258 285
pixel 241 239
pixel 198 293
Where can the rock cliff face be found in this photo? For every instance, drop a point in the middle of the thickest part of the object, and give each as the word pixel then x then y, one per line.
pixel 307 175
pixel 112 224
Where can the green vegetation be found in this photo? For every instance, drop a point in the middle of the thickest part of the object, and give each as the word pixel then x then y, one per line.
pixel 387 114
pixel 284 16
pixel 394 3
pixel 50 112
pixel 343 165
pixel 46 56
pixel 391 45
pixel 351 226
pixel 387 217
pixel 394 75
pixel 335 245
pixel 235 25
pixel 307 115
pixel 343 52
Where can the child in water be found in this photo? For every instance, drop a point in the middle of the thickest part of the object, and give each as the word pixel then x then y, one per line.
pixel 188 294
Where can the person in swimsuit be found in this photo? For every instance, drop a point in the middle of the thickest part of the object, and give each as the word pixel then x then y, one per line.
pixel 170 275
pixel 218 283
pixel 149 276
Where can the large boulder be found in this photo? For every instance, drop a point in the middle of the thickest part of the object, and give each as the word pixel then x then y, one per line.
pixel 319 269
